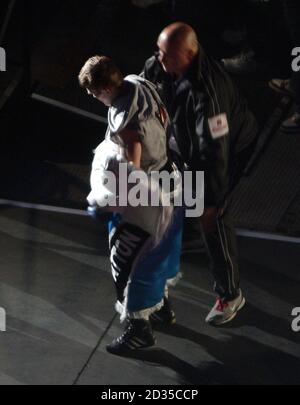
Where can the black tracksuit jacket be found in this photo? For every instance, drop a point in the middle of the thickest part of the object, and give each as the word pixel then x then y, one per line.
pixel 207 91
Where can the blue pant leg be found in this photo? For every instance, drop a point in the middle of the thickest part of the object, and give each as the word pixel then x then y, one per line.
pixel 155 266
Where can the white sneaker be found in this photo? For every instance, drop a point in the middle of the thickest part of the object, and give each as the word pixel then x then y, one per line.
pixel 224 312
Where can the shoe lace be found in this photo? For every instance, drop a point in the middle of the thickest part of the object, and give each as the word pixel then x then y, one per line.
pixel 127 333
pixel 221 305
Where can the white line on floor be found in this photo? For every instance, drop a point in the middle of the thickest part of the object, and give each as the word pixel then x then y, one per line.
pixel 267 236
pixel 240 232
pixel 41 207
pixel 68 107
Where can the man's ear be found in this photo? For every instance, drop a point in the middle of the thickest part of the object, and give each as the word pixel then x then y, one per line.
pixel 106 89
pixel 191 55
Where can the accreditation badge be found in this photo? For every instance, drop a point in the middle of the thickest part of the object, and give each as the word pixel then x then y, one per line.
pixel 218 126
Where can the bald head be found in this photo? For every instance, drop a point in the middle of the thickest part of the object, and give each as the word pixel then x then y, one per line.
pixel 178 46
pixel 180 35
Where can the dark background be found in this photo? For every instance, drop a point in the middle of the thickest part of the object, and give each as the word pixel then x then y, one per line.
pixel 46 149
pixel 55 281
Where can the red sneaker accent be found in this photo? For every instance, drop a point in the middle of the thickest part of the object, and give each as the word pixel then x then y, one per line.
pixel 221 305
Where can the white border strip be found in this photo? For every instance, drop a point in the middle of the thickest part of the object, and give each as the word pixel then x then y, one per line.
pixel 62 210
pixel 69 108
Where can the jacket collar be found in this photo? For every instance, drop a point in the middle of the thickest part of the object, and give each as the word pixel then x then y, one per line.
pixel 193 76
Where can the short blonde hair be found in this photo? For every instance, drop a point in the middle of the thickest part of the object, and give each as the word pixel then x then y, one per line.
pixel 100 72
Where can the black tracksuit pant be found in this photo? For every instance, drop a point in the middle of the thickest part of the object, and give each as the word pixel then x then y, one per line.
pixel 222 244
pixel 223 256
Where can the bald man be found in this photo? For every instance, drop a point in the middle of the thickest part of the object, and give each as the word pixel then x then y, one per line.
pixel 215 133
